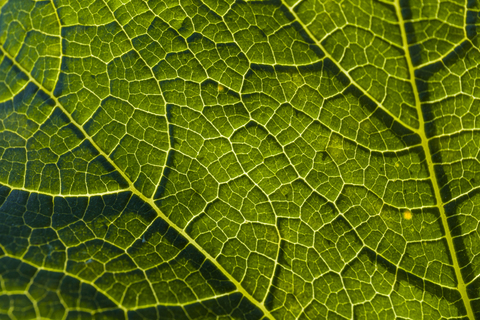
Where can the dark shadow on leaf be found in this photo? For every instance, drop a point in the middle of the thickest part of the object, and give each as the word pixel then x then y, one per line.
pixel 271 291
pixel 415 49
pixel 166 172
pixel 336 72
pixel 110 169
pixel 451 295
pixel 4 192
pixel 59 291
pixel 473 294
pixel 212 275
pixel 408 137
pixel 455 222
pixel 423 76
pixel 233 306
pixel 167 169
pixel 472 20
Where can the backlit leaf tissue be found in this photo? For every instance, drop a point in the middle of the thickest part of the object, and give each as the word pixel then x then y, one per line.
pixel 222 159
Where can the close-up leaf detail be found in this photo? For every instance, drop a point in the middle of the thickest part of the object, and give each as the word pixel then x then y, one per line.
pixel 222 159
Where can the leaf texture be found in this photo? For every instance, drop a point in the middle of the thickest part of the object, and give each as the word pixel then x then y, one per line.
pixel 219 159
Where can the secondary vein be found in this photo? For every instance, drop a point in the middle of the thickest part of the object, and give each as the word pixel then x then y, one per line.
pixel 134 190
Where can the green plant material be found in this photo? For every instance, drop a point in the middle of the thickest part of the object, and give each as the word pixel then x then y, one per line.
pixel 251 160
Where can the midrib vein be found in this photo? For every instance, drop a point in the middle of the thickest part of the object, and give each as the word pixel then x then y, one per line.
pixel 461 286
pixel 134 190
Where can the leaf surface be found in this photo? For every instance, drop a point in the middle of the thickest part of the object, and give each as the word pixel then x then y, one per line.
pixel 225 159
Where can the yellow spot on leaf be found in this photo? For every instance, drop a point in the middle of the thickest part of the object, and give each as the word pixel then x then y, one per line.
pixel 220 88
pixel 407 215
pixel 397 164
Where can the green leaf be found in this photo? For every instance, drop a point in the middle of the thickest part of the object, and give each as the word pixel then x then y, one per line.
pixel 218 159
